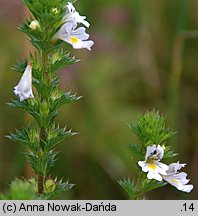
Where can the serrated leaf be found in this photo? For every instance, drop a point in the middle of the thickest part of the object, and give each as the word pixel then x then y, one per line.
pixel 61 187
pixel 151 129
pixel 137 151
pixel 129 187
pixel 149 185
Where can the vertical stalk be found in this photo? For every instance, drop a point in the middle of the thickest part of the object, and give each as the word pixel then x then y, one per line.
pixel 43 97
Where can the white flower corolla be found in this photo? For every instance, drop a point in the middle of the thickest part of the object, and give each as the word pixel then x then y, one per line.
pixel 73 16
pixel 177 179
pixel 24 87
pixel 69 32
pixel 76 37
pixel 34 25
pixel 151 163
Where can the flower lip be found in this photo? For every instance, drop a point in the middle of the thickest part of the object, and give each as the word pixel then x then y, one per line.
pixel 74 16
pixel 178 179
pixel 76 37
pixel 152 165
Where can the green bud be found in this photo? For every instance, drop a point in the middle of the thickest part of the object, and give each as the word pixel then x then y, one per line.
pixel 50 186
pixel 33 135
pixel 32 101
pixel 34 25
pixel 55 11
pixel 44 108
pixel 55 95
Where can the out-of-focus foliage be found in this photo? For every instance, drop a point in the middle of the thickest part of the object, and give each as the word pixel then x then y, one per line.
pixel 20 190
pixel 127 71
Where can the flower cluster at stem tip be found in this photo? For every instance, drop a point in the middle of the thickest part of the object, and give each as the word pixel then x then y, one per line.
pixel 69 33
pixel 160 171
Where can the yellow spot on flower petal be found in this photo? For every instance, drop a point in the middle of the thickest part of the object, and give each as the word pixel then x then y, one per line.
pixel 74 40
pixel 152 166
pixel 175 181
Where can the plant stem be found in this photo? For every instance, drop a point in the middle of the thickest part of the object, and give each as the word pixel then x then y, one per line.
pixel 139 195
pixel 40 180
pixel 42 150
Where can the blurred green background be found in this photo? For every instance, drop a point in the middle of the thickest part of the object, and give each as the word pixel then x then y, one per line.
pixel 131 68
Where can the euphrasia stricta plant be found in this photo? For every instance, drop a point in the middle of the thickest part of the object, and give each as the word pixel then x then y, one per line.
pixel 50 25
pixel 150 155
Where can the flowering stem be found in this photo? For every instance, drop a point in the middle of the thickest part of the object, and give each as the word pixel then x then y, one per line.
pixel 43 102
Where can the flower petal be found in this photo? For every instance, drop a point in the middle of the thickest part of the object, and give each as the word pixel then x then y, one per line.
pixel 162 168
pixel 153 174
pixel 160 152
pixel 149 151
pixel 186 188
pixel 144 166
pixel 174 167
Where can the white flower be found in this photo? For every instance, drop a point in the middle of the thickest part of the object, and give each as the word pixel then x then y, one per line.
pixel 152 165
pixel 76 37
pixel 73 16
pixel 69 32
pixel 177 179
pixel 34 25
pixel 24 88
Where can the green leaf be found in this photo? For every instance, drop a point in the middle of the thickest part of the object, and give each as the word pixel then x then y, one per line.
pixel 61 187
pixel 168 153
pixel 60 98
pixel 61 59
pixel 129 187
pixel 151 129
pixel 20 190
pixel 20 66
pixel 137 152
pixel 149 185
pixel 41 162
pixel 56 135
pixel 28 136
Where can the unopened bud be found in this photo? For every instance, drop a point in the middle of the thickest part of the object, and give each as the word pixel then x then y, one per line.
pixel 50 186
pixel 55 10
pixel 34 25
pixel 44 108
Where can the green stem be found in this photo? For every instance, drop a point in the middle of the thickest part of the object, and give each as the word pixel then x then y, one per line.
pixel 139 195
pixel 42 150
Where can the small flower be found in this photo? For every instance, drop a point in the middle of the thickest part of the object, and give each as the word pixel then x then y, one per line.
pixel 35 25
pixel 177 179
pixel 77 37
pixel 73 16
pixel 24 88
pixel 152 165
pixel 69 32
